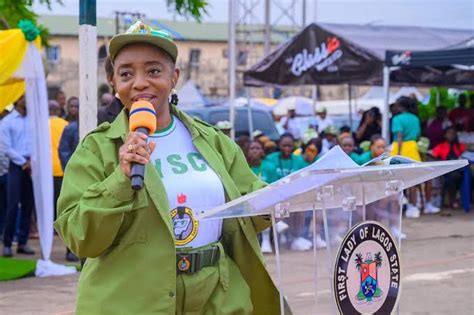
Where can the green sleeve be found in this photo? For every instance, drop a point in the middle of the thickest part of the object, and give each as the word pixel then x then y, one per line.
pixel 92 205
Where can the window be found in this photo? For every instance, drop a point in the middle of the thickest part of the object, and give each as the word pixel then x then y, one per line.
pixel 53 54
pixel 194 55
pixel 242 58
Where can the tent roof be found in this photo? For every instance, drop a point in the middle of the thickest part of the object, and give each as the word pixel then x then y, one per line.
pixel 189 95
pixel 380 38
pixel 314 56
pixel 443 67
pixel 367 40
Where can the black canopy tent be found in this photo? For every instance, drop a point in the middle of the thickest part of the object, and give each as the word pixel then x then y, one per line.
pixel 446 67
pixel 451 67
pixel 314 56
pixel 328 54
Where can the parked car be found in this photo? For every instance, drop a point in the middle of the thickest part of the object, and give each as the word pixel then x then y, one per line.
pixel 303 122
pixel 262 120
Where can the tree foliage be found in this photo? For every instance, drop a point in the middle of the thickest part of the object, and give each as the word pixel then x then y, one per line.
pixel 189 8
pixel 12 11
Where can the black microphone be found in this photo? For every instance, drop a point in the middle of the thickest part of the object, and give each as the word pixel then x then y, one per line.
pixel 142 119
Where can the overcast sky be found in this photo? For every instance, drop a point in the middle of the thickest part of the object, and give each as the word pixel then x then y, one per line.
pixel 433 13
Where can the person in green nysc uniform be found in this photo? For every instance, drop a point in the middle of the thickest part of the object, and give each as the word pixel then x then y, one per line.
pixel 286 163
pixel 147 252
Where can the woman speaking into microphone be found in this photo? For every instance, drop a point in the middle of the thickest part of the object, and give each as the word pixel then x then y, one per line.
pixel 146 251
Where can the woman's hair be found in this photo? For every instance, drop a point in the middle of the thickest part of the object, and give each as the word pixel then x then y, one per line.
pixel 408 104
pixel 287 135
pixel 445 131
pixel 317 143
pixel 72 98
pixel 109 69
pixel 247 148
pixel 375 138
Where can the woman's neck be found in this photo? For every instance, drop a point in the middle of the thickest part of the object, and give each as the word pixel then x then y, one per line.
pixel 284 156
pixel 255 162
pixel 163 120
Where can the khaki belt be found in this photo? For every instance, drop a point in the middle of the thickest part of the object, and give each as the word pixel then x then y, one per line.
pixel 194 260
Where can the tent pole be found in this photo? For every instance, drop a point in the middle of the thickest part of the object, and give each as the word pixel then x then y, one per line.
pixel 249 114
pixel 349 86
pixel 314 96
pixel 386 109
pixel 232 65
pixel 87 67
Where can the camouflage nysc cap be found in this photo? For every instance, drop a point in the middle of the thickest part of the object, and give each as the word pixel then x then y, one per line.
pixel 139 32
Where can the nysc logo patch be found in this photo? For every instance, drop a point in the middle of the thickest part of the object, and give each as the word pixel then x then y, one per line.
pixel 367 271
pixel 185 226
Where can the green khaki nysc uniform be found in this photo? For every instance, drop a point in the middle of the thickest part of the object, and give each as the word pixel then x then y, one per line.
pixel 128 238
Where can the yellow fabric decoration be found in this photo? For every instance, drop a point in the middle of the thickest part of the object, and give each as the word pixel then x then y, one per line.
pixel 13 46
pixel 11 93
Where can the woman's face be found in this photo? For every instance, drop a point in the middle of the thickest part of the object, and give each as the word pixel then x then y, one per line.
pixel 310 153
pixel 73 107
pixel 450 135
pixel 144 72
pixel 286 146
pixel 255 151
pixel 377 148
pixel 347 145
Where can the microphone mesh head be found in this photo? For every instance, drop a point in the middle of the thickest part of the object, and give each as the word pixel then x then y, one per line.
pixel 142 115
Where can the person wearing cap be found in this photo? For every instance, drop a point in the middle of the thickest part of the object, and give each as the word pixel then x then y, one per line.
pixel 322 120
pixel 146 250
pixel 290 125
pixel 224 126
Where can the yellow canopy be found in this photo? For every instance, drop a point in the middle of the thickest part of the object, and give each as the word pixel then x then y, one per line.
pixel 13 46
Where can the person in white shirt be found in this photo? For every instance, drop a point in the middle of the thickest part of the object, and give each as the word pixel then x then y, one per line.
pixel 289 124
pixel 322 120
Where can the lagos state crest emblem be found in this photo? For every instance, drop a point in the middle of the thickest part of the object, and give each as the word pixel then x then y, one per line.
pixel 367 271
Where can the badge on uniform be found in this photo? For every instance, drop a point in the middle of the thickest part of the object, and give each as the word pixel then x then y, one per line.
pixel 183 263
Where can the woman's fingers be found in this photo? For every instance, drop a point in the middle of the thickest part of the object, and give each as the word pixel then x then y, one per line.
pixel 152 146
pixel 135 150
pixel 134 158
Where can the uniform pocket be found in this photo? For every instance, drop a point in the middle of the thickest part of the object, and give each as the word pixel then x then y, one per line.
pixel 135 224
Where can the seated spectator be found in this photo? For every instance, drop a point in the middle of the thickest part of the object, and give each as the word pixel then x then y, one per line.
pixel 286 163
pixel 269 147
pixel 371 124
pixel 329 138
pixel 323 121
pixel 347 144
pixel 450 149
pixel 436 126
pixel 377 148
pixel 265 171
pixel 312 150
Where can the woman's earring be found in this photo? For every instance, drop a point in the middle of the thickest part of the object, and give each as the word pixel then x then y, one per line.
pixel 174 97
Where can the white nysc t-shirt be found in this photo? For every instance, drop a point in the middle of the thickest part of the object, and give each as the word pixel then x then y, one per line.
pixel 190 183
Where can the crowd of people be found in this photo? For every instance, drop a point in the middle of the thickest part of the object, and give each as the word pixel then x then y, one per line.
pixel 17 218
pixel 296 149
pixel 269 160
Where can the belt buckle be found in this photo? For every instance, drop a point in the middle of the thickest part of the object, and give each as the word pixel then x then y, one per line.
pixel 184 263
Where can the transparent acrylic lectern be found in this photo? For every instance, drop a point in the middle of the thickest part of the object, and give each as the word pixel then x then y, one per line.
pixel 337 194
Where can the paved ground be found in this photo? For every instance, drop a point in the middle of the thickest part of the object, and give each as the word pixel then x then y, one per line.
pixel 438 275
